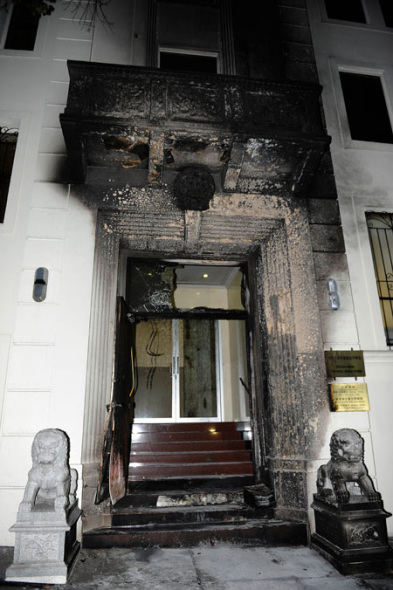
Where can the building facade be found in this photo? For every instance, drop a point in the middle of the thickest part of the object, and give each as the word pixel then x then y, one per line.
pixel 185 136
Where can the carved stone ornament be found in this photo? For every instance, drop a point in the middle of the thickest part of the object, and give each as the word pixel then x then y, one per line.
pixel 346 466
pixel 46 546
pixel 194 187
pixel 350 521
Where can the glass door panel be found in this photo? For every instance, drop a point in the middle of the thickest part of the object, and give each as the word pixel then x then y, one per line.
pixel 177 369
pixel 154 351
pixel 197 369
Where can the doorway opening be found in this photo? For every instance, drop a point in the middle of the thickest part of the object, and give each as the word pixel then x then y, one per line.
pixel 189 341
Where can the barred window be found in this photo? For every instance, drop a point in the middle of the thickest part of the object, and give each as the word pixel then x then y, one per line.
pixel 380 229
pixel 8 139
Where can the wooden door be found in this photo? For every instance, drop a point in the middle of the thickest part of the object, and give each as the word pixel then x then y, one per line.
pixel 116 446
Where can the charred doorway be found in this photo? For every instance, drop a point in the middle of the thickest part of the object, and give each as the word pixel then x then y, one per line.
pixel 189 341
pixel 287 385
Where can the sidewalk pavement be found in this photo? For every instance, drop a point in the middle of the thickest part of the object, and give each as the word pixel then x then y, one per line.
pixel 223 566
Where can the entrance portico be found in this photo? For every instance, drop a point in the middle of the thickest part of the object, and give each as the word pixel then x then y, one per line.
pixel 257 218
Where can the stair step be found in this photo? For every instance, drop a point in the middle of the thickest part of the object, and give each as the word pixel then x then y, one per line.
pixel 190 457
pixel 189 427
pixel 196 484
pixel 186 446
pixel 162 436
pixel 179 497
pixel 138 471
pixel 181 515
pixel 254 532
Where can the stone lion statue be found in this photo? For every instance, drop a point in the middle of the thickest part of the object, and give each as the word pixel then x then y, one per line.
pixel 346 466
pixel 51 483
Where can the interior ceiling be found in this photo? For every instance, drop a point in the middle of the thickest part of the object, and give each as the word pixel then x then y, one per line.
pixel 205 275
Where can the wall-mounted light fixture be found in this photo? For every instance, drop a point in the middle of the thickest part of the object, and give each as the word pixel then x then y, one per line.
pixel 40 284
pixel 334 298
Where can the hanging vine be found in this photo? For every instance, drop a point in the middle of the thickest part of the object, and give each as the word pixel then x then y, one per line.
pixel 84 11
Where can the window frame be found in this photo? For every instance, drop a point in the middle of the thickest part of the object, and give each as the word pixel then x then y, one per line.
pixel 20 120
pixel 379 260
pixel 8 136
pixel 5 19
pixel 351 112
pixel 372 10
pixel 185 51
pixel 351 22
pixel 385 73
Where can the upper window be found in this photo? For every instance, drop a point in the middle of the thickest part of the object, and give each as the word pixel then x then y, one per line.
pixel 387 11
pixel 380 229
pixel 348 10
pixel 8 139
pixel 187 62
pixel 191 35
pixel 22 29
pixel 367 113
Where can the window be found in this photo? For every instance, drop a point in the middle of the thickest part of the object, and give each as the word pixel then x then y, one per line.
pixel 22 29
pixel 367 113
pixel 380 229
pixel 348 10
pixel 188 62
pixel 8 139
pixel 387 11
pixel 191 35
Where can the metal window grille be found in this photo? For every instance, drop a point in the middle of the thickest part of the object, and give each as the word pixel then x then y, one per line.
pixel 8 139
pixel 380 229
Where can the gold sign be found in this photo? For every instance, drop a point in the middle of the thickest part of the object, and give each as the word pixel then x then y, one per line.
pixel 345 363
pixel 349 397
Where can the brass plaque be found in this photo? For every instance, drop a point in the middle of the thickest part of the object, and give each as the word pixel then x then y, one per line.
pixel 349 397
pixel 345 363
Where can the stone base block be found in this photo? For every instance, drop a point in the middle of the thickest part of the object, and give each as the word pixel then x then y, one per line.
pixel 353 536
pixel 45 548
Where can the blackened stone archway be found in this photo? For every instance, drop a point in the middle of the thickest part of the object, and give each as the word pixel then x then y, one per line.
pixel 289 407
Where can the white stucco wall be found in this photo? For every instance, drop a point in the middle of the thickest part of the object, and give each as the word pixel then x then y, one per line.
pixel 43 346
pixel 364 177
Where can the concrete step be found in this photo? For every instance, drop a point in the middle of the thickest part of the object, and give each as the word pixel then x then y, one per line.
pixel 257 532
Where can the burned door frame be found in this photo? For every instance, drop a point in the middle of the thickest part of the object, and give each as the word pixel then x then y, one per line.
pixel 288 385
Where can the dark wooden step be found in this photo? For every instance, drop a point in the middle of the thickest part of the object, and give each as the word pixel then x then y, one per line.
pixel 257 532
pixel 187 484
pixel 179 515
pixel 189 427
pixel 195 457
pixel 186 446
pixel 192 436
pixel 151 499
pixel 138 471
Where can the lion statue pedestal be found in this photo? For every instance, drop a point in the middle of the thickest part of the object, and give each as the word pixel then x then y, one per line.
pixel 350 520
pixel 46 546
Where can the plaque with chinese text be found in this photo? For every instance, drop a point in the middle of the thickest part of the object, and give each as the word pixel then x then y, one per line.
pixel 349 397
pixel 345 363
